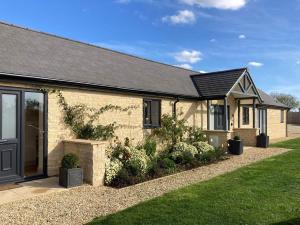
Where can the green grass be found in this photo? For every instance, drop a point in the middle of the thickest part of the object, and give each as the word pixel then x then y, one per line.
pixel 267 192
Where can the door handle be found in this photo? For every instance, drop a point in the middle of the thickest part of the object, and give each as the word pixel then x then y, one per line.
pixel 3 141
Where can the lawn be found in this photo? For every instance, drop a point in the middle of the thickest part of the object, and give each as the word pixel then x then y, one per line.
pixel 267 192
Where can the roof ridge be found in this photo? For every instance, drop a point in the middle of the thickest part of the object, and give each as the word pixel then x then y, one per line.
pixel 92 45
pixel 220 71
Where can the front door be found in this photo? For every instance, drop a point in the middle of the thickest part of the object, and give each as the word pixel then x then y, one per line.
pixel 10 154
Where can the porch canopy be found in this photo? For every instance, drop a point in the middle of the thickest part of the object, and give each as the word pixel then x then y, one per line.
pixel 218 86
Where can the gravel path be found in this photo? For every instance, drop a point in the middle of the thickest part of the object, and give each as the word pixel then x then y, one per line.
pixel 81 205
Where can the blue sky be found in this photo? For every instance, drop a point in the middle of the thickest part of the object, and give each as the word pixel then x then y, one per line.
pixel 205 35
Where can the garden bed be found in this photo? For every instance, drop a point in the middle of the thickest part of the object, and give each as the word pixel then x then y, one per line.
pixel 181 148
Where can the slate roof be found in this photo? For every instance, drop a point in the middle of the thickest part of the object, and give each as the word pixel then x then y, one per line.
pixel 270 101
pixel 216 83
pixel 26 53
pixel 39 55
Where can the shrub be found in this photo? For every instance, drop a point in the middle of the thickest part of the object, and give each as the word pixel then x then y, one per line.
pixel 179 149
pixel 203 147
pixel 187 158
pixel 112 169
pixel 166 163
pixel 150 147
pixel 137 164
pixel 70 161
pixel 237 138
pixel 172 129
pixel 206 157
pixel 195 135
pixel 122 153
pixel 124 178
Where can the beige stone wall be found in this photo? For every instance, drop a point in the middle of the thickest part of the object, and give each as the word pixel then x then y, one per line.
pixel 218 138
pixel 247 135
pixel 276 129
pixel 92 158
pixel 131 122
pixel 192 111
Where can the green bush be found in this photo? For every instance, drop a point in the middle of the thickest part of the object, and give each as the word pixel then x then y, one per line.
pixel 122 153
pixel 112 169
pixel 166 163
pixel 179 149
pixel 237 138
pixel 195 135
pixel 137 164
pixel 171 130
pixel 150 147
pixel 203 147
pixel 187 158
pixel 70 161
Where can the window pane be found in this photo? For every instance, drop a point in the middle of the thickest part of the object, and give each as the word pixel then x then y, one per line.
pixel 155 113
pixel 147 112
pixel 34 133
pixel 9 116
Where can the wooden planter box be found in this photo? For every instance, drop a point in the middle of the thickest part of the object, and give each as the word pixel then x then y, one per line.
pixel 70 177
pixel 262 141
pixel 236 147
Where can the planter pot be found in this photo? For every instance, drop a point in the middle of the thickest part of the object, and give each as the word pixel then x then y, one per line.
pixel 70 177
pixel 235 147
pixel 262 141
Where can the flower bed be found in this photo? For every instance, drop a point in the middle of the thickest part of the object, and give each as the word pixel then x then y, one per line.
pixel 189 149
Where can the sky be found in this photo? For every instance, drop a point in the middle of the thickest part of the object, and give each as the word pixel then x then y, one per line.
pixel 202 35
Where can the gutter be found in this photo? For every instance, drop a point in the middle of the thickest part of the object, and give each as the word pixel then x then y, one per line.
pixel 174 107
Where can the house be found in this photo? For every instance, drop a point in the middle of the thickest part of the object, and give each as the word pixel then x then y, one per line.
pixel 223 104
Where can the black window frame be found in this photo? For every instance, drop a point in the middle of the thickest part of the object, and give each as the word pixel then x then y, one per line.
pixel 282 116
pixel 150 125
pixel 218 117
pixel 246 115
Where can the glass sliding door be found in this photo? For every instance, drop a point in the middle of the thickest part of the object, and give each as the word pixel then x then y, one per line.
pixel 34 134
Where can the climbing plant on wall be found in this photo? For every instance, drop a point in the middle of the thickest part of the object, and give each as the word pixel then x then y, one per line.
pixel 83 120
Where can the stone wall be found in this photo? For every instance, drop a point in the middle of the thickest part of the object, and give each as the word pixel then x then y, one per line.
pixel 276 129
pixel 248 135
pixel 218 138
pixel 92 158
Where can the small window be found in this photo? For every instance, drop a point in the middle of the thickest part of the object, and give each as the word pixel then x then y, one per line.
pixel 245 115
pixel 282 116
pixel 152 111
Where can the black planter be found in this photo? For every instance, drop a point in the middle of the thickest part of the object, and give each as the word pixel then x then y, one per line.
pixel 235 147
pixel 70 177
pixel 262 141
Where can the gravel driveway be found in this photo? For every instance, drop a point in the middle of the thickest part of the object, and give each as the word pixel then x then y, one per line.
pixel 81 205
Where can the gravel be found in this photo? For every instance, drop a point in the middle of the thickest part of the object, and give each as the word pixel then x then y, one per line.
pixel 81 205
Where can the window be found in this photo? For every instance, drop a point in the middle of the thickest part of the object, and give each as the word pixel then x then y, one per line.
pixel 217 117
pixel 152 111
pixel 245 115
pixel 282 116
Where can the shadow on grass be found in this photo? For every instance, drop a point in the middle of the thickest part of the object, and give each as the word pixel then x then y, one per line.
pixel 295 221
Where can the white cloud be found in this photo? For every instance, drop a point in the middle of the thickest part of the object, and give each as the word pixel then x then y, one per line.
pixel 298 62
pixel 123 1
pixel 255 64
pixel 242 36
pixel 182 17
pixel 186 56
pixel 185 66
pixel 219 4
pixel 202 71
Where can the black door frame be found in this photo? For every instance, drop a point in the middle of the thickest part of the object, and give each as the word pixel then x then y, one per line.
pixel 18 139
pixel 21 132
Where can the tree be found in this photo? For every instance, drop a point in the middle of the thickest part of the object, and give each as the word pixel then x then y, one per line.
pixel 287 99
